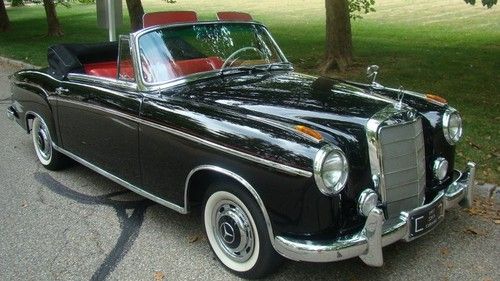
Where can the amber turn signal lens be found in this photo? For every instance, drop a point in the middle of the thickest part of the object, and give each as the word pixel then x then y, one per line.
pixel 308 131
pixel 436 98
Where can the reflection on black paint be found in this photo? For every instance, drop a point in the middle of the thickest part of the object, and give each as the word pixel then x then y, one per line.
pixel 130 225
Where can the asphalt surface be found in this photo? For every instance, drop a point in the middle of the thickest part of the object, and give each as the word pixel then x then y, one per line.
pixel 77 225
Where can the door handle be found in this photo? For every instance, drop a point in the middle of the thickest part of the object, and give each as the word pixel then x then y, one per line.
pixel 61 91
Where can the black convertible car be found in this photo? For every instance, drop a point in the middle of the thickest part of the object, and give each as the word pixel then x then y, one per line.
pixel 190 113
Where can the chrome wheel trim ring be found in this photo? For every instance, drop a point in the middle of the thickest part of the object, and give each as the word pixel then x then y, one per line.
pixel 220 205
pixel 232 230
pixel 42 141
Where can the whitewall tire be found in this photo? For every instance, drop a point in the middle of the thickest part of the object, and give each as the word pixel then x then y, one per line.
pixel 237 232
pixel 42 141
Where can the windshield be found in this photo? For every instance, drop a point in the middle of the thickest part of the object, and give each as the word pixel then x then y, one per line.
pixel 171 52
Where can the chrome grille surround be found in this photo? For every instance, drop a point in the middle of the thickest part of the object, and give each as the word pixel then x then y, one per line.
pixel 397 158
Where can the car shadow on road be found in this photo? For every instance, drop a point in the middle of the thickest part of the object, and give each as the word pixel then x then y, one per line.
pixel 129 225
pixel 131 216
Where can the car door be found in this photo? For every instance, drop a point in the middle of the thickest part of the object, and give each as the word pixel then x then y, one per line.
pixel 98 123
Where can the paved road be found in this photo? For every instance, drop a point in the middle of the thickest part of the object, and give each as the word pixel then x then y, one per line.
pixel 77 225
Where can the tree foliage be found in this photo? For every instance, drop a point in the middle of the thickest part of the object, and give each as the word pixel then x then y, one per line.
pixel 358 7
pixel 487 3
pixel 338 51
pixel 17 3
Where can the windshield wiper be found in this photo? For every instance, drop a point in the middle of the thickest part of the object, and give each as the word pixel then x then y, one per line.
pixel 239 69
pixel 280 66
pixel 259 68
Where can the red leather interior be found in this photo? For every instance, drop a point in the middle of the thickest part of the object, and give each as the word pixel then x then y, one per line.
pixel 234 16
pixel 181 67
pixel 167 17
pixel 186 67
pixel 108 69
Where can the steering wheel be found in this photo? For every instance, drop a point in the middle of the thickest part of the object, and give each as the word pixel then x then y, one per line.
pixel 230 60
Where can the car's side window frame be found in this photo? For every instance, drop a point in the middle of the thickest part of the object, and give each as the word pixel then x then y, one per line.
pixel 124 49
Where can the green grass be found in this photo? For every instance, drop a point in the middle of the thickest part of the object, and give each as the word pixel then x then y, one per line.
pixel 445 47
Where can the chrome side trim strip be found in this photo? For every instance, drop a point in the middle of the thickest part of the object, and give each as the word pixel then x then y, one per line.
pixel 284 127
pixel 246 156
pixel 110 82
pixel 239 179
pixel 101 88
pixel 38 72
pixel 121 181
pixel 100 108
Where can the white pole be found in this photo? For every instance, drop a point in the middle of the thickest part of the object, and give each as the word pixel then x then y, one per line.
pixel 111 20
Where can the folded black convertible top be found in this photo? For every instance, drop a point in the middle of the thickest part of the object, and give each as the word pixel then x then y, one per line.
pixel 66 58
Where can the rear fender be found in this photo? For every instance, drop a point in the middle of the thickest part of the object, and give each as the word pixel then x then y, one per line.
pixel 30 100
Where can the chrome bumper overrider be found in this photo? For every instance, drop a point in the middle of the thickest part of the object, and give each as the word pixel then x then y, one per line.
pixel 377 233
pixel 11 114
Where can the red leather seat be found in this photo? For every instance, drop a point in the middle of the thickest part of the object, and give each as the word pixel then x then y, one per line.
pixel 108 69
pixel 167 17
pixel 103 69
pixel 234 16
pixel 182 67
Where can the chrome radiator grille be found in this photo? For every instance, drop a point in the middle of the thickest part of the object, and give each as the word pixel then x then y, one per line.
pixel 402 164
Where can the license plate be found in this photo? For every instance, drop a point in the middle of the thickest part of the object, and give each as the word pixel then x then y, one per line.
pixel 421 221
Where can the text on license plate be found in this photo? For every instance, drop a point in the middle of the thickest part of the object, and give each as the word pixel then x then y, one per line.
pixel 423 220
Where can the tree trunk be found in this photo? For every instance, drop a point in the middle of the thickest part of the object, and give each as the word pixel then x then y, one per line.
pixel 338 48
pixel 55 28
pixel 4 18
pixel 135 12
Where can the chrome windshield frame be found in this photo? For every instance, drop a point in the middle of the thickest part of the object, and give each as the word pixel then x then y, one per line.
pixel 145 86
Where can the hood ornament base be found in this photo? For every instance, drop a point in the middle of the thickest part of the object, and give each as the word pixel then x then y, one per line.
pixel 401 95
pixel 372 72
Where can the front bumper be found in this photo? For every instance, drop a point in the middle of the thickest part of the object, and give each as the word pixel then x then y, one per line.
pixel 377 233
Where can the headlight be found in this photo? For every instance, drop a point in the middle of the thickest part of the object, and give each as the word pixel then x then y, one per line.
pixel 452 126
pixel 330 170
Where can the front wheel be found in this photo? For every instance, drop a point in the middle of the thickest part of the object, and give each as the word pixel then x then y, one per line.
pixel 237 231
pixel 50 158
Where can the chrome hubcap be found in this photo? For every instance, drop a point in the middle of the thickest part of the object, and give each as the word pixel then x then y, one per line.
pixel 233 231
pixel 42 139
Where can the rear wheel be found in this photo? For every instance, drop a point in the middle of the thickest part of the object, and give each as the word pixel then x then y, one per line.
pixel 237 231
pixel 50 158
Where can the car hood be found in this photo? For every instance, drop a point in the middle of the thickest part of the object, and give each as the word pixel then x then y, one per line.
pixel 323 103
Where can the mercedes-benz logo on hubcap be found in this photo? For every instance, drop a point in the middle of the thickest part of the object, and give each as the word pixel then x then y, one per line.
pixel 227 232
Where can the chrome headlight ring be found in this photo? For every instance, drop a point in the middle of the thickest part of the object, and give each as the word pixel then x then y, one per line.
pixel 452 126
pixel 330 170
pixel 440 168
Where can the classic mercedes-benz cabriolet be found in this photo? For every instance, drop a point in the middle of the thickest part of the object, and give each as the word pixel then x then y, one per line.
pixel 210 113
